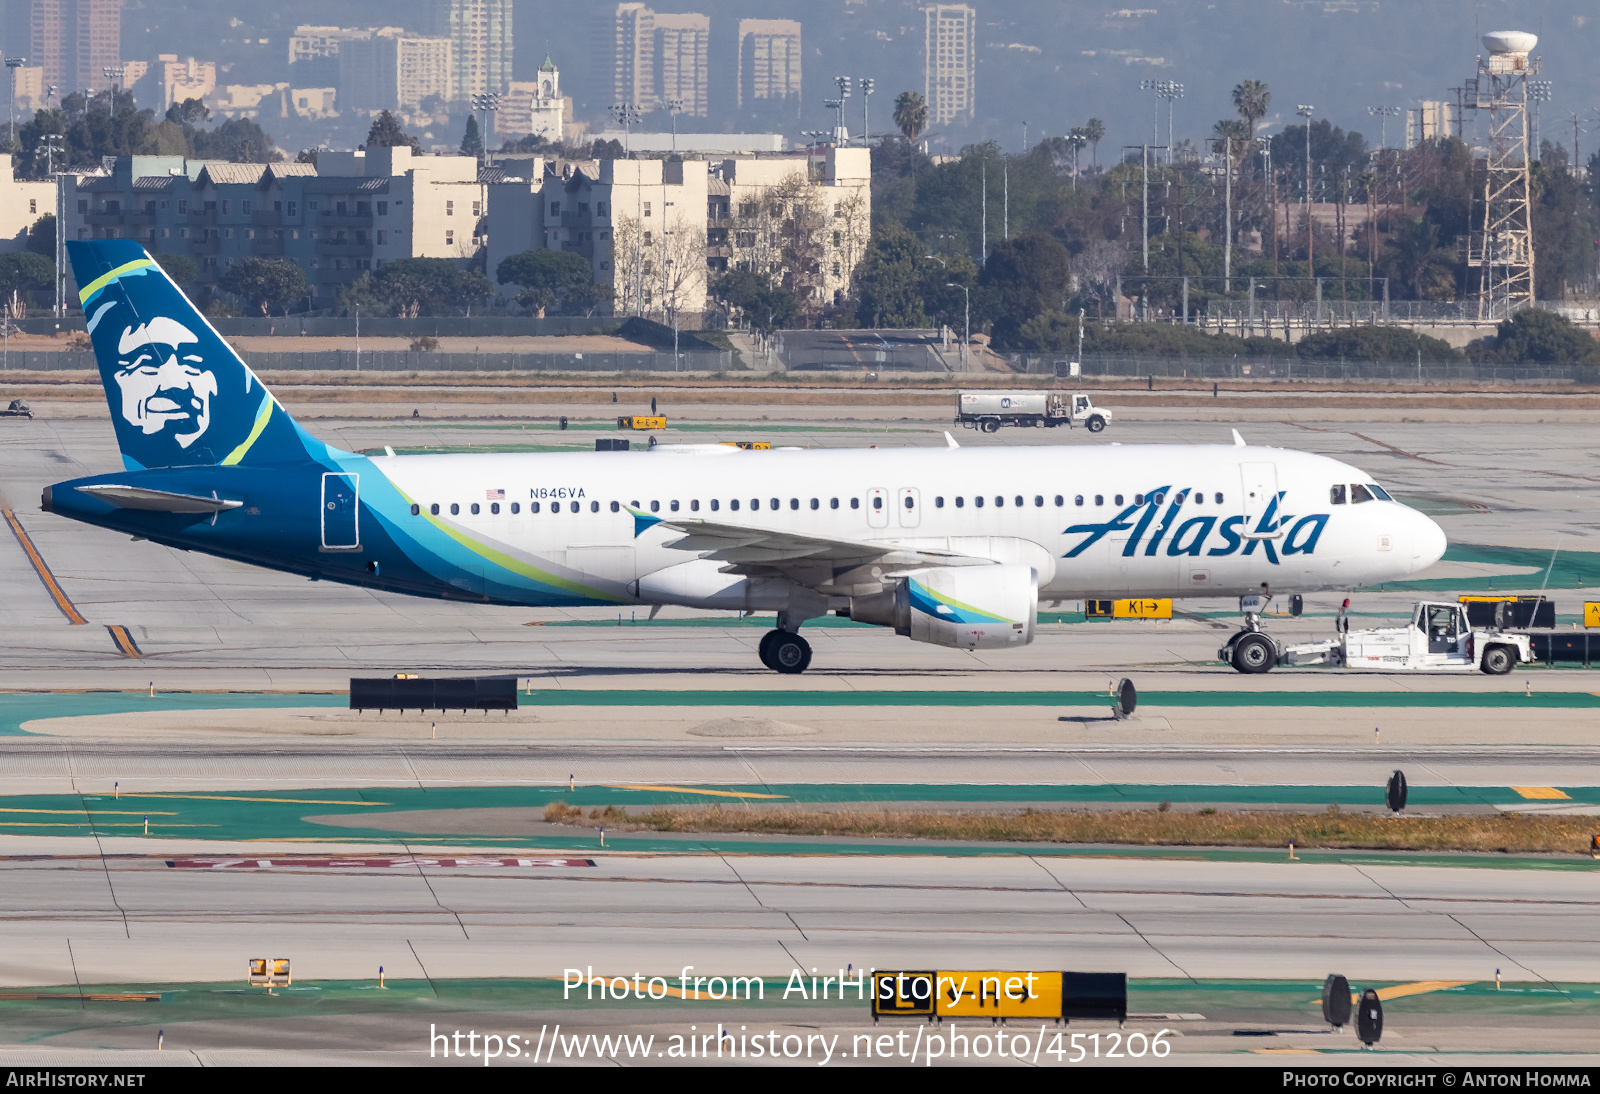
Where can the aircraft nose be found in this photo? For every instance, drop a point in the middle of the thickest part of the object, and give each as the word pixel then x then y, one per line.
pixel 1428 543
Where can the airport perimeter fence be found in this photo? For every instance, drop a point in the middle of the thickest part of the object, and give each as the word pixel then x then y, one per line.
pixel 1294 368
pixel 416 361
pixel 387 326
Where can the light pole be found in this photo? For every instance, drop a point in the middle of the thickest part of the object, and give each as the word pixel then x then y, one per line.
pixel 1383 114
pixel 837 106
pixel 1539 93
pixel 53 144
pixel 486 104
pixel 1227 214
pixel 626 115
pixel 674 108
pixel 1305 110
pixel 966 337
pixel 843 83
pixel 1170 90
pixel 866 84
pixel 12 64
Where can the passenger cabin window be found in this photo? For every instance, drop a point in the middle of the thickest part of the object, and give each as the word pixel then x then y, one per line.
pixel 938 502
pixel 655 507
pixel 1099 499
pixel 911 502
pixel 877 503
pixel 855 503
pixel 833 503
pixel 1060 501
pixel 734 504
pixel 455 509
pixel 1359 494
pixel 1218 499
pixel 516 507
pixel 533 507
pixel 694 506
pixel 434 508
pixel 1077 499
pixel 616 507
pixel 978 501
pixel 961 502
pixel 594 507
pixel 494 507
pixel 474 508
pixel 1336 494
pixel 416 510
pixel 1117 499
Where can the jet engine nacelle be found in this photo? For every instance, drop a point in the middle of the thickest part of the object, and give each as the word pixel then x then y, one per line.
pixel 969 608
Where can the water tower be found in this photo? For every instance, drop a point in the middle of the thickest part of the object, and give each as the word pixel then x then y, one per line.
pixel 1501 249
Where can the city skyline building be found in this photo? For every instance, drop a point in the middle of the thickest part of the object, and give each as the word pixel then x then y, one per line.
pixel 74 41
pixel 950 66
pixel 391 70
pixel 628 37
pixel 481 44
pixel 683 61
pixel 769 61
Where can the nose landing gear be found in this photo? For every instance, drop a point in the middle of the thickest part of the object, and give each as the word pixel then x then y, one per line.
pixel 785 652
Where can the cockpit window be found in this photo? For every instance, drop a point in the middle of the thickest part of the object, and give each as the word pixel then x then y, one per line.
pixel 1359 494
pixel 1379 492
pixel 1336 494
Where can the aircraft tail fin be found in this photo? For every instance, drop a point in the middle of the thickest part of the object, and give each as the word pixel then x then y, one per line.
pixel 179 394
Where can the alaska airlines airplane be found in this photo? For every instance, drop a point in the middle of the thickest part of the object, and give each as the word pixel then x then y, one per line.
pixel 953 546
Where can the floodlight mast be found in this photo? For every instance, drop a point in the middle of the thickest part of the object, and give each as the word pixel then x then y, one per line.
pixel 1305 110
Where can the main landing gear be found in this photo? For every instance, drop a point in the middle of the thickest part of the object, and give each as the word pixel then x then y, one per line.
pixel 785 651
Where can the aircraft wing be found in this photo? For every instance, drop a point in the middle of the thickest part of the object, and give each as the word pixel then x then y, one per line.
pixel 812 560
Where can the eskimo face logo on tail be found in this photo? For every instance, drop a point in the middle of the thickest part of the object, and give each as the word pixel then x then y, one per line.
pixel 165 388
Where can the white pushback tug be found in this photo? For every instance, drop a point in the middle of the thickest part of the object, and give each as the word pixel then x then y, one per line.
pixel 1438 638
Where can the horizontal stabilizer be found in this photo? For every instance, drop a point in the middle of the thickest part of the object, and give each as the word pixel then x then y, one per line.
pixel 158 501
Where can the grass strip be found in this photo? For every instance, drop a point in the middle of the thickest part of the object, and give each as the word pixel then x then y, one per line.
pixel 1505 833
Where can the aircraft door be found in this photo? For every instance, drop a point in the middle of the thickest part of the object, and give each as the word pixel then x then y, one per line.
pixel 341 512
pixel 1259 485
pixel 909 505
pixel 877 508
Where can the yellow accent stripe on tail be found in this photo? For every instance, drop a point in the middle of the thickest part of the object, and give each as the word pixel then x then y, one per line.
pixel 107 278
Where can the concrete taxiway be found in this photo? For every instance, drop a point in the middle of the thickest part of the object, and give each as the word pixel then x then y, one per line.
pixel 247 668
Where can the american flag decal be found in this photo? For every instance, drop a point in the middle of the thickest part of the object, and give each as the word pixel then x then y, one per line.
pixel 494 495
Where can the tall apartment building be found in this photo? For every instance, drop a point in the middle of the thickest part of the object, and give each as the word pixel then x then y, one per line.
pixel 769 61
pixel 683 65
pixel 350 213
pixel 74 41
pixel 480 37
pixel 950 64
pixel 627 36
pixel 314 52
pixel 635 221
pixel 392 70
pixel 1432 121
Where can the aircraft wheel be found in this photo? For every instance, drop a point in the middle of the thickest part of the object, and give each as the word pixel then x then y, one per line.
pixel 1254 653
pixel 764 650
pixel 1498 660
pixel 789 653
pixel 1095 423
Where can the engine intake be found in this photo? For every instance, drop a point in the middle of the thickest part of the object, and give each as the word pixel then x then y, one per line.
pixel 969 608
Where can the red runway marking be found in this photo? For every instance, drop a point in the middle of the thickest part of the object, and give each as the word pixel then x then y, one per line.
pixel 408 863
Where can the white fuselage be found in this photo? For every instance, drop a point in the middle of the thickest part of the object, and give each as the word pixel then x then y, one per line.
pixel 1093 521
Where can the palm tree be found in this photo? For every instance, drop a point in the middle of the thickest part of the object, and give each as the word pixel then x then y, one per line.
pixel 1251 98
pixel 911 114
pixel 1095 130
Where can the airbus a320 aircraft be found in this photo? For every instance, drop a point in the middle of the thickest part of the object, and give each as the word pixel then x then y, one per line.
pixel 953 546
